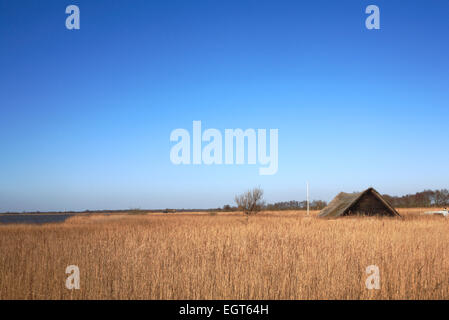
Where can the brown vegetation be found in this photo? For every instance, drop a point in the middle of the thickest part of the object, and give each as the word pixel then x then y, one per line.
pixel 277 255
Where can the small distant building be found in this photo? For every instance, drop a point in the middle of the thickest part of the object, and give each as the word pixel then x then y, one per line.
pixel 169 211
pixel 444 212
pixel 366 203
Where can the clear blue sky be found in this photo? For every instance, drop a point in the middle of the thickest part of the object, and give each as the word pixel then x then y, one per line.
pixel 86 115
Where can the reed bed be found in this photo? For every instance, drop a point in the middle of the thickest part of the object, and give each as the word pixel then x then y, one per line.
pixel 275 255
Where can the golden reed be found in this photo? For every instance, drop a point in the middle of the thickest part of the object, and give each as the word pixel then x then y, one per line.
pixel 276 255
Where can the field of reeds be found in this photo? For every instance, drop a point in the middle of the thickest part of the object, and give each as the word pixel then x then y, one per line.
pixel 275 255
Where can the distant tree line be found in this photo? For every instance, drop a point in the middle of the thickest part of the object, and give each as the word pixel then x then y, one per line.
pixel 426 198
pixel 296 205
pixel 285 205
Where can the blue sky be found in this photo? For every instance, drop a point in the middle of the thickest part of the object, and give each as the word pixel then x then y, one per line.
pixel 86 115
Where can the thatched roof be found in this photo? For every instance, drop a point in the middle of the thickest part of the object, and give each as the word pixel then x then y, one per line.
pixel 368 202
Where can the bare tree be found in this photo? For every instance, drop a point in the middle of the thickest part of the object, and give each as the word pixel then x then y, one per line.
pixel 250 202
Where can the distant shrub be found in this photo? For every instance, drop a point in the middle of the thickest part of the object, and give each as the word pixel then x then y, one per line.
pixel 250 202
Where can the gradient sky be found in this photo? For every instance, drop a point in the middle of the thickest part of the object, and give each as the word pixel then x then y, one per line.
pixel 86 115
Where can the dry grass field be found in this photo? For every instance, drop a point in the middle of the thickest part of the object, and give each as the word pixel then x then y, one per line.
pixel 275 255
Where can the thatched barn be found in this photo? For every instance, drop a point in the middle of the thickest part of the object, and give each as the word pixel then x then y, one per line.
pixel 368 202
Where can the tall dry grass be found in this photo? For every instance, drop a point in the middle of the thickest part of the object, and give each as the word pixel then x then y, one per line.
pixel 282 255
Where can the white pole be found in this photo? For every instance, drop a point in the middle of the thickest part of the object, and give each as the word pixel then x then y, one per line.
pixel 307 198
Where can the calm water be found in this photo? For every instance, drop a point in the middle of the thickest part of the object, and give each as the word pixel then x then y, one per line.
pixel 33 218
